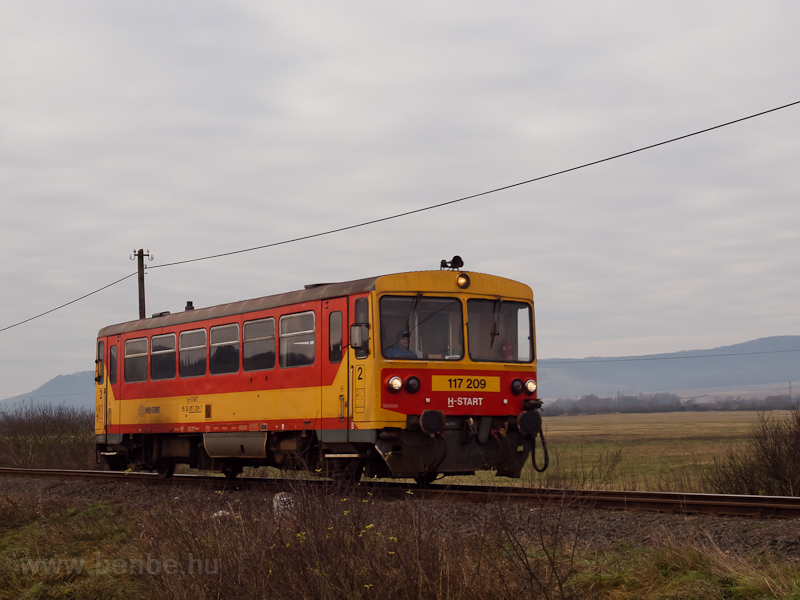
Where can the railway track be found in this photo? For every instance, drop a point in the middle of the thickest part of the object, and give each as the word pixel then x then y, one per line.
pixel 669 502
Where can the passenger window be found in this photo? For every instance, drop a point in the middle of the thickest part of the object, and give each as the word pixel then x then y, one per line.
pixel 112 365
pixel 259 345
pixel 136 360
pixel 193 353
pixel 224 354
pixel 162 357
pixel 335 337
pixel 362 318
pixel 297 348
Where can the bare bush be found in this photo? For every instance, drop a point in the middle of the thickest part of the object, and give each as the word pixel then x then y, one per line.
pixel 582 473
pixel 768 464
pixel 338 543
pixel 47 436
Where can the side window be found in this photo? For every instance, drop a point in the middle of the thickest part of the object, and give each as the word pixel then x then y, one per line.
pixel 112 365
pixel 162 356
pixel 224 354
pixel 297 348
pixel 362 311
pixel 136 360
pixel 98 364
pixel 362 318
pixel 335 337
pixel 193 353
pixel 259 345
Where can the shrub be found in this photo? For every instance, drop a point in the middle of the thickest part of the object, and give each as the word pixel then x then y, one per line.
pixel 331 543
pixel 47 436
pixel 769 464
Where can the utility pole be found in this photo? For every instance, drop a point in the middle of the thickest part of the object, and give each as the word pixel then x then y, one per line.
pixel 140 263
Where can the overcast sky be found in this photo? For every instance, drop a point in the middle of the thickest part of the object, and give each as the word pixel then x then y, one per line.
pixel 194 128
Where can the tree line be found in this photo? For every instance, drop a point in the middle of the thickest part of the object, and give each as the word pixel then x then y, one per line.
pixel 592 404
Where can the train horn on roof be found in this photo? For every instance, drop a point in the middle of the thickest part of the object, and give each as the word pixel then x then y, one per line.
pixel 454 264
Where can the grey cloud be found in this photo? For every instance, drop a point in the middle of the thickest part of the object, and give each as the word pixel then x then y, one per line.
pixel 193 128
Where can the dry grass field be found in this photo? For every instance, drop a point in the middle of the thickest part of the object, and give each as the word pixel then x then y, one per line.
pixel 654 451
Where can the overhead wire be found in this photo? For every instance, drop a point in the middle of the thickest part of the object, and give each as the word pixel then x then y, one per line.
pixel 70 302
pixel 470 197
pixel 418 210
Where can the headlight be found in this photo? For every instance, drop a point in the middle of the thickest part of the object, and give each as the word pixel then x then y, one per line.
pixel 395 384
pixel 516 387
pixel 530 386
pixel 463 281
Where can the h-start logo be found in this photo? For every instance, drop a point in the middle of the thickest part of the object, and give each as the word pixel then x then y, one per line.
pixel 149 410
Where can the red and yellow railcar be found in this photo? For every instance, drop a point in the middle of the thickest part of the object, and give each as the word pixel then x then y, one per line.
pixel 405 375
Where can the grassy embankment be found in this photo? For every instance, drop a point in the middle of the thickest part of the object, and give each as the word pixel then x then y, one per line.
pixel 341 545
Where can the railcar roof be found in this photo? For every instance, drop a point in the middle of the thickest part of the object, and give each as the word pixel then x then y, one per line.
pixel 318 292
pixel 435 281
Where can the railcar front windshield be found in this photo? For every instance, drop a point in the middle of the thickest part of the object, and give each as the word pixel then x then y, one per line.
pixel 499 331
pixel 421 328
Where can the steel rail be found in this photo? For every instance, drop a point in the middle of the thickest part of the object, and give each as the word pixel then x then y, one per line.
pixel 783 507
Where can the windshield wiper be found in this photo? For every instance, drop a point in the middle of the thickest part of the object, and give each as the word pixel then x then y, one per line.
pixel 413 313
pixel 495 321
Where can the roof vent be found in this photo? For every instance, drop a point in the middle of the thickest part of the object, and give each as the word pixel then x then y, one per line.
pixel 161 314
pixel 189 305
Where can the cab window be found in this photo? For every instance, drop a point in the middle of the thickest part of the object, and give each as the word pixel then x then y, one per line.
pixel 335 337
pixel 112 365
pixel 499 331
pixel 421 328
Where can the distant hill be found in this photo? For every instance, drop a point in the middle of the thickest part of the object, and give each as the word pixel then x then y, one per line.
pixel 73 390
pixel 769 360
pixel 772 360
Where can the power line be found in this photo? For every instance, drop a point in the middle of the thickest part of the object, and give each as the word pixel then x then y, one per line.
pixel 68 303
pixel 492 191
pixel 419 210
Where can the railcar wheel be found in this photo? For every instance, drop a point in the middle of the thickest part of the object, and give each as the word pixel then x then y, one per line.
pixel 165 471
pixel 116 463
pixel 344 471
pixel 231 472
pixel 425 479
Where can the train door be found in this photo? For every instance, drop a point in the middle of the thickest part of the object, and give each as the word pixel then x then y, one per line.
pixel 336 410
pixel 113 394
pixel 360 371
pixel 107 386
pixel 101 391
